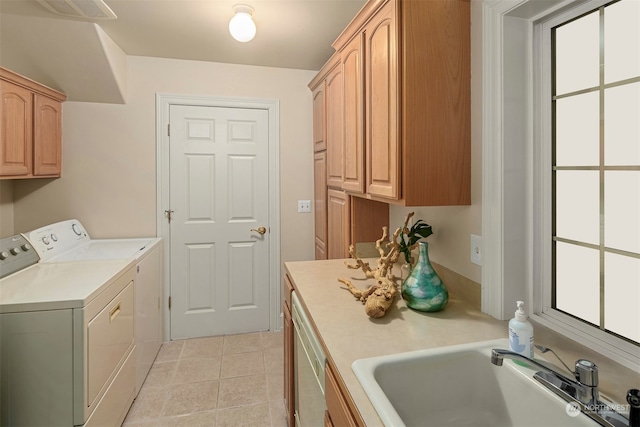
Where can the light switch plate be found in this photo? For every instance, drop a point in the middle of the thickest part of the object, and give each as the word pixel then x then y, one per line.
pixel 476 249
pixel 304 206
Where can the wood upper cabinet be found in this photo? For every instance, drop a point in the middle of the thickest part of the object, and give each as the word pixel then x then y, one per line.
pixel 47 136
pixel 30 128
pixel 319 118
pixel 17 130
pixel 335 126
pixel 351 58
pixel 381 133
pixel 320 205
pixel 417 101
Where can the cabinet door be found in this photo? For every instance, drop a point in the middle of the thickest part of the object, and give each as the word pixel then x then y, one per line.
pixel 353 176
pixel 47 136
pixel 15 130
pixel 319 118
pixel 338 224
pixel 289 404
pixel 381 77
pixel 337 406
pixel 334 127
pixel 320 196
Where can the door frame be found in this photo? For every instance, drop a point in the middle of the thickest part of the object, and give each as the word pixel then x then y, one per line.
pixel 163 103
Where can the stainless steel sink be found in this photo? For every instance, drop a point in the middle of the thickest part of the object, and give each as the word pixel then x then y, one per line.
pixel 458 386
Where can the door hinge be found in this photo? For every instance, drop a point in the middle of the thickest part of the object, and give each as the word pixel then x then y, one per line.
pixel 169 303
pixel 168 130
pixel 168 212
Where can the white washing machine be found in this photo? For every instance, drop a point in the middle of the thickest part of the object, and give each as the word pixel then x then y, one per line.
pixel 66 339
pixel 68 241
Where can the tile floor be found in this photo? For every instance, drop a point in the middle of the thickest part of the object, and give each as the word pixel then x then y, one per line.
pixel 233 380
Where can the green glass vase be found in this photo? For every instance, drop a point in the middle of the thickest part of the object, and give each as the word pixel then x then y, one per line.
pixel 423 290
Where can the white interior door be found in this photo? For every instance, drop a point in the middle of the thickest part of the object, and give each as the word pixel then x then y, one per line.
pixel 219 198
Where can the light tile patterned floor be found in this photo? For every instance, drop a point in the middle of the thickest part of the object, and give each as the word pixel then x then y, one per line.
pixel 235 380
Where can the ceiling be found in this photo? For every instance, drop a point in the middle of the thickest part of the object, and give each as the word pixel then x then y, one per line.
pixel 71 54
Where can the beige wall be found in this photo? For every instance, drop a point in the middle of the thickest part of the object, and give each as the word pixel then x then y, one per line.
pixel 6 208
pixel 109 151
pixel 453 226
pixel 109 158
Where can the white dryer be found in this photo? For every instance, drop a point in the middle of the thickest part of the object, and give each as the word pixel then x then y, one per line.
pixel 69 241
pixel 66 339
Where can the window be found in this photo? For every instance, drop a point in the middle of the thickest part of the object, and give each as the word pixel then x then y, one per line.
pixel 594 105
pixel 524 149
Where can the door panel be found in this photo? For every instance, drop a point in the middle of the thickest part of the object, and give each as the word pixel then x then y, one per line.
pixel 47 136
pixel 338 220
pixel 383 172
pixel 219 192
pixel 320 196
pixel 16 129
pixel 335 128
pixel 353 143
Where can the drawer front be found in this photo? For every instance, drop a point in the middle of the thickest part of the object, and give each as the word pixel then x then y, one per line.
pixel 109 337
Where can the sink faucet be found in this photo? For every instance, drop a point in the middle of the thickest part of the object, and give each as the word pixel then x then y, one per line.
pixel 580 391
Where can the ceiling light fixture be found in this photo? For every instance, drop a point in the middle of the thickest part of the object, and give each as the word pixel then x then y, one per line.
pixel 241 26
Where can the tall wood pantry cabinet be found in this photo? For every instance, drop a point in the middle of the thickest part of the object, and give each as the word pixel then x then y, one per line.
pixel 30 128
pixel 337 218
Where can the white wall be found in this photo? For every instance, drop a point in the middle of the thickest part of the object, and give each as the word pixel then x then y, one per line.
pixel 109 151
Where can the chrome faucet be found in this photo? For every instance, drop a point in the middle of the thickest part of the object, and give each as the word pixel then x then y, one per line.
pixel 580 391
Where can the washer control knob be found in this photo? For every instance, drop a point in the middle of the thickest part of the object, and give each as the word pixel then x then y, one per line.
pixel 45 240
pixel 76 229
pixel 14 251
pixel 54 237
pixel 3 255
pixel 25 247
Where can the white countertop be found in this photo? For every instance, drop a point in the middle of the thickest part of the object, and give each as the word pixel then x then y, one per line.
pixel 348 334
pixel 57 286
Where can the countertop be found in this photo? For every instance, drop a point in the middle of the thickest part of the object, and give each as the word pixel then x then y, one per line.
pixel 348 334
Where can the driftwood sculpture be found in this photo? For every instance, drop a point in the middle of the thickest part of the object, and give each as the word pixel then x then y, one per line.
pixel 378 297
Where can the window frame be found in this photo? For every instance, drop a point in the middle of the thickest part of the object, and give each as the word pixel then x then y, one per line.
pixel 504 278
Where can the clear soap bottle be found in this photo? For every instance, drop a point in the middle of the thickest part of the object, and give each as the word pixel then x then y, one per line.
pixel 521 332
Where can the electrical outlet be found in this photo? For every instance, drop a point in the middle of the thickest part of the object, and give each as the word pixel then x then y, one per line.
pixel 304 206
pixel 476 249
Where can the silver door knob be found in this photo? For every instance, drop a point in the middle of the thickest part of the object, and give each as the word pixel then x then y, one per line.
pixel 260 230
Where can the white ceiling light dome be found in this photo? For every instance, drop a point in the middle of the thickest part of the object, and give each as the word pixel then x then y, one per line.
pixel 241 26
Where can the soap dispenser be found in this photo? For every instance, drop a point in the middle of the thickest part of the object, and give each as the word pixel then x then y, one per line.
pixel 521 332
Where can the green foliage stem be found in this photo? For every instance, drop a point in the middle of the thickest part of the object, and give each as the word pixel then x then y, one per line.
pixel 410 237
